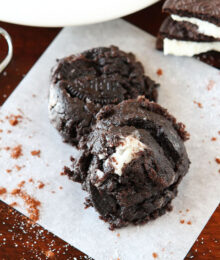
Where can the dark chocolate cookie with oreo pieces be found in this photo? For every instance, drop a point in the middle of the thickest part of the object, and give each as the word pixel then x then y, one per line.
pixel 132 162
pixel 82 84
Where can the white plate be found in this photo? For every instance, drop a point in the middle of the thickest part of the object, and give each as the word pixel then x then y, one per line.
pixel 67 12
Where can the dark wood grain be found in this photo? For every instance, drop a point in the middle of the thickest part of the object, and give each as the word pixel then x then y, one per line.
pixel 20 239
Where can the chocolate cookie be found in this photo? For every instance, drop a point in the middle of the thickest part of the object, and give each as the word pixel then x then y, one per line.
pixel 82 84
pixel 183 31
pixel 207 10
pixel 132 162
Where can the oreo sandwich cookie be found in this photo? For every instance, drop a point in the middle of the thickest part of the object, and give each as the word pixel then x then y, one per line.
pixel 82 84
pixel 132 162
pixel 192 28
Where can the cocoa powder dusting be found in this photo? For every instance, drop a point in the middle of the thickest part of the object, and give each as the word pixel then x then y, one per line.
pixel 49 254
pixel 2 190
pixel 41 185
pixel 210 85
pixel 16 152
pixel 217 160
pixel 159 72
pixel 31 203
pixel 198 104
pixel 35 153
pixel 13 204
pixel 14 119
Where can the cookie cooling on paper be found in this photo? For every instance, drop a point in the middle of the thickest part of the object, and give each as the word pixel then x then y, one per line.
pixel 82 84
pixel 132 162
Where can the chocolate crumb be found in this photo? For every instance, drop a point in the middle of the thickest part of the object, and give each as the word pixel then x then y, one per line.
pixel 60 187
pixel 36 153
pixel 155 255
pixel 2 190
pixel 16 152
pixel 62 173
pixel 159 72
pixel 198 104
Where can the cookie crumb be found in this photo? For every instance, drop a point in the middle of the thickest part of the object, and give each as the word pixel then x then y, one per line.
pixel 189 222
pixel 36 153
pixel 159 72
pixel 155 255
pixel 16 152
pixel 182 221
pixel 8 170
pixel 2 190
pixel 198 104
pixel 213 139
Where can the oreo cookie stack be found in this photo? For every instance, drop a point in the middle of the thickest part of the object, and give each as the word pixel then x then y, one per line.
pixel 193 27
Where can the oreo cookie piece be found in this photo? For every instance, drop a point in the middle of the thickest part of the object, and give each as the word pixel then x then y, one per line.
pixel 82 84
pixel 204 10
pixel 183 39
pixel 132 162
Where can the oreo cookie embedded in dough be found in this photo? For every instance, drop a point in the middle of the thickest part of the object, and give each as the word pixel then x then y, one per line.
pixel 82 84
pixel 132 162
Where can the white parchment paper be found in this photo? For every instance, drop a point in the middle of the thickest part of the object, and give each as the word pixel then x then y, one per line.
pixel 183 81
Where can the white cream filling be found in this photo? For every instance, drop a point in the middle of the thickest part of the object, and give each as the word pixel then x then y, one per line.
pixel 188 48
pixel 204 27
pixel 125 152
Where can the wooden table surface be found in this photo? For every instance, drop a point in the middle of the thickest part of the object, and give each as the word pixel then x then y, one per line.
pixel 19 238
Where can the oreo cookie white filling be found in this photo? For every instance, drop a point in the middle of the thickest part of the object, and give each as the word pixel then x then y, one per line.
pixel 188 48
pixel 125 152
pixel 204 27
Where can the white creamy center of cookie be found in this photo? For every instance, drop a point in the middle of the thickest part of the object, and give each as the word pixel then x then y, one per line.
pixel 188 48
pixel 125 152
pixel 204 27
